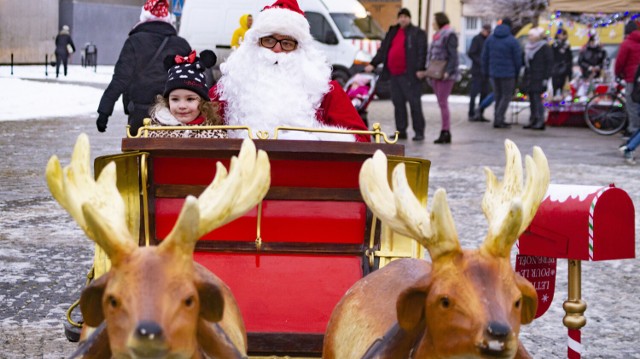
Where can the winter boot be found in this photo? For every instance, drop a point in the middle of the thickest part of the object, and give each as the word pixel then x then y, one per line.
pixel 445 137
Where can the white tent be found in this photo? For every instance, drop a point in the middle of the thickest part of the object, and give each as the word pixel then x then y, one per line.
pixel 595 6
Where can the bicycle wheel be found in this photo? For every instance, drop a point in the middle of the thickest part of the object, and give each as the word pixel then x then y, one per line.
pixel 606 114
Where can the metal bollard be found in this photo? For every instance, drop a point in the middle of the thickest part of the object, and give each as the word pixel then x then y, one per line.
pixel 46 63
pixel 12 64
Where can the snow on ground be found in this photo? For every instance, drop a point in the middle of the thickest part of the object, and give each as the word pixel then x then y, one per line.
pixel 31 94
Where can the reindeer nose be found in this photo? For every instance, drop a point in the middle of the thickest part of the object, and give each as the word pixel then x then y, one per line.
pixel 498 330
pixel 148 330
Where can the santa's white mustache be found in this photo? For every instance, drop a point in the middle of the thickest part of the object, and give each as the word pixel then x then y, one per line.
pixel 279 58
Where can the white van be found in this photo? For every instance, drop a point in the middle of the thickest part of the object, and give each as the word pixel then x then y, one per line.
pixel 345 32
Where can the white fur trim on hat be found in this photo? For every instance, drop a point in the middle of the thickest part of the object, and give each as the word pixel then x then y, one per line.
pixel 280 21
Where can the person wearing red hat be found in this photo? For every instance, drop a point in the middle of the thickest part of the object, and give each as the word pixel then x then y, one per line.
pixel 139 74
pixel 277 77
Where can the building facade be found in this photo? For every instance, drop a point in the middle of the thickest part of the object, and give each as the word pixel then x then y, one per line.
pixel 28 28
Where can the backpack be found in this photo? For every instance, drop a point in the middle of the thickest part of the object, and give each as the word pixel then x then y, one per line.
pixel 635 94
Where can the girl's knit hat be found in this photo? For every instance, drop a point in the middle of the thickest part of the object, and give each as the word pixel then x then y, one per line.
pixel 187 72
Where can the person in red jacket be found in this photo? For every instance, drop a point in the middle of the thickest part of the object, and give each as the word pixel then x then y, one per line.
pixel 277 77
pixel 626 65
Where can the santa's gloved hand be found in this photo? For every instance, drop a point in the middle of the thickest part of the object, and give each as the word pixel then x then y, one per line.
pixel 101 122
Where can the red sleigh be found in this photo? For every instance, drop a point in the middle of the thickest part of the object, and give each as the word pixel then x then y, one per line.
pixel 289 260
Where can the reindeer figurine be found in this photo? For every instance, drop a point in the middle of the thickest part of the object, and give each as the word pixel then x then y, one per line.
pixel 156 302
pixel 466 303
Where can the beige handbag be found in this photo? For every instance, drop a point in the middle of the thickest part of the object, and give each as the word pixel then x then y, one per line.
pixel 435 69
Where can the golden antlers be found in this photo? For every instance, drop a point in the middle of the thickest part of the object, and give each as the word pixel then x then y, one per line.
pixel 100 211
pixel 508 207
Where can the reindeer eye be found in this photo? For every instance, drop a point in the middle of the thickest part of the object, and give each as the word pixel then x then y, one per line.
pixel 518 302
pixel 189 301
pixel 444 301
pixel 113 302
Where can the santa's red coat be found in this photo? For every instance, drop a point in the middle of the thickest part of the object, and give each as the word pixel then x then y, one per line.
pixel 335 109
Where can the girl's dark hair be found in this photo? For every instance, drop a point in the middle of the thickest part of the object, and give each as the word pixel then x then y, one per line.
pixel 441 19
pixel 207 109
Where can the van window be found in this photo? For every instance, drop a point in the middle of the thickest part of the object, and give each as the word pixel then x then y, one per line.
pixel 370 28
pixel 319 26
pixel 347 26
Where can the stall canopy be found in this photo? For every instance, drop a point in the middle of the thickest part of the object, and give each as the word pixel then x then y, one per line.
pixel 595 6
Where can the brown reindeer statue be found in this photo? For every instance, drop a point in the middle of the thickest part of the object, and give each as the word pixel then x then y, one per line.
pixel 465 303
pixel 156 302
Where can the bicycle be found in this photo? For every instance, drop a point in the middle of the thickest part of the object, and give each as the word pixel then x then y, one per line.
pixel 606 113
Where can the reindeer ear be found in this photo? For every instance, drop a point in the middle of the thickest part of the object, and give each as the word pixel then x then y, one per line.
pixel 91 301
pixel 211 298
pixel 411 304
pixel 529 300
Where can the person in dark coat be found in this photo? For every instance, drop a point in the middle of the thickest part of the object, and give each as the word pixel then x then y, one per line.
pixel 479 82
pixel 404 54
pixel 592 58
pixel 63 43
pixel 139 74
pixel 501 61
pixel 562 61
pixel 538 62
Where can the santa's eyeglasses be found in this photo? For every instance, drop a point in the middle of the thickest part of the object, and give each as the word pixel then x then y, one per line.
pixel 286 44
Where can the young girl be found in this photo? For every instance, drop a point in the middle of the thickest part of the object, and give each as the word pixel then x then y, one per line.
pixel 185 101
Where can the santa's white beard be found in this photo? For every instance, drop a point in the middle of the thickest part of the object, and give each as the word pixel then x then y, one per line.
pixel 264 90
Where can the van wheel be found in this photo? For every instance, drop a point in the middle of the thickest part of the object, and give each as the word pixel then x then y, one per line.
pixel 341 76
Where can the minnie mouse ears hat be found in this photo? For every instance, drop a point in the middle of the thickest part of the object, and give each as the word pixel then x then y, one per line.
pixel 187 72
pixel 283 17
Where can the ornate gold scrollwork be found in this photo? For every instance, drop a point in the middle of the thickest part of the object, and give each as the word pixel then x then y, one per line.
pixel 259 223
pixel 376 132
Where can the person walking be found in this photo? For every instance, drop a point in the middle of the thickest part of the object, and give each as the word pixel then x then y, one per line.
pixel 444 47
pixel 246 21
pixel 630 146
pixel 538 62
pixel 479 82
pixel 404 53
pixel 625 67
pixel 562 62
pixel 502 59
pixel 139 74
pixel 64 47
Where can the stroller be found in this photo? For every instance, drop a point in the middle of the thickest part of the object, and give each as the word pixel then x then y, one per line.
pixel 360 88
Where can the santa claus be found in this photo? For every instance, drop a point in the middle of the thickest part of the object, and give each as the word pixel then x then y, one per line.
pixel 277 77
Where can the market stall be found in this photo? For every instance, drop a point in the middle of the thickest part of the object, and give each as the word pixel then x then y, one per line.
pixel 592 96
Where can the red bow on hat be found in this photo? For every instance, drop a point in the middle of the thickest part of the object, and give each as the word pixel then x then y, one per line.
pixel 186 59
pixel 158 8
pixel 286 4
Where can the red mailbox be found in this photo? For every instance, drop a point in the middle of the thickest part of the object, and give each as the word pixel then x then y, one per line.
pixel 582 223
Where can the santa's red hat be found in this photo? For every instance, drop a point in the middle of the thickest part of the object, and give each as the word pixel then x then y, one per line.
pixel 155 10
pixel 283 17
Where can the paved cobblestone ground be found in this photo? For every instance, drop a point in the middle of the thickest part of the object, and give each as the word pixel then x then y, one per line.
pixel 44 256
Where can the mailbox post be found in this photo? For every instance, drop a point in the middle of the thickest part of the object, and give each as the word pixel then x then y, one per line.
pixel 580 223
